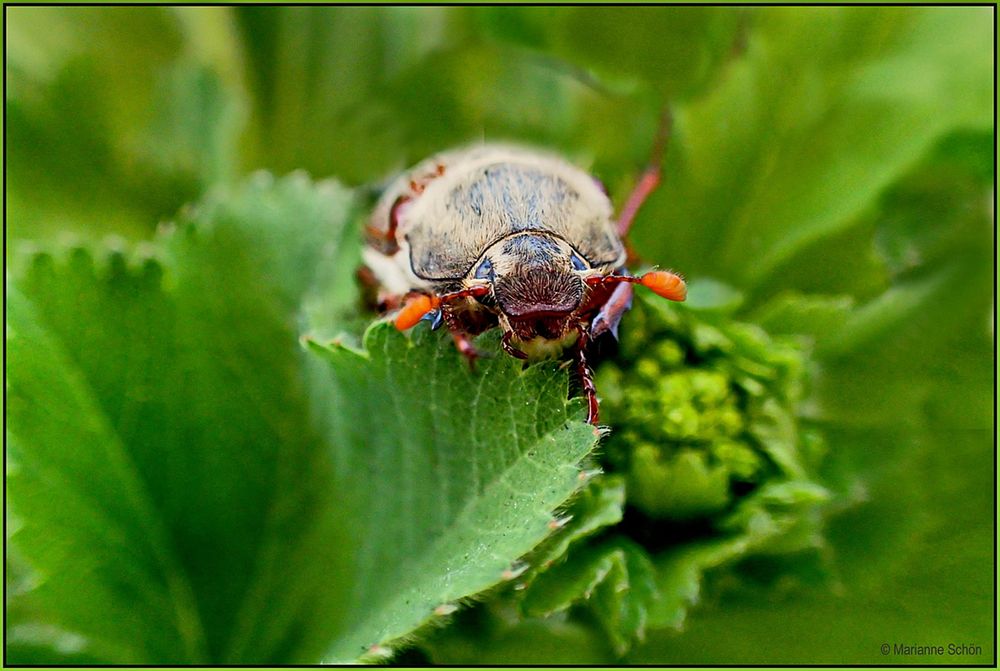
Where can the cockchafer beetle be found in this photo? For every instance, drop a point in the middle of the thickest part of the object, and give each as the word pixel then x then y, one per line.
pixel 497 235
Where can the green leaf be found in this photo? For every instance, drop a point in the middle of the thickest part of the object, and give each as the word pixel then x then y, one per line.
pixel 679 576
pixel 146 603
pixel 299 234
pixel 505 637
pixel 685 486
pixel 190 486
pixel 597 506
pixel 574 580
pixel 615 579
pixel 621 602
pixel 459 476
pixel 192 368
pixel 826 109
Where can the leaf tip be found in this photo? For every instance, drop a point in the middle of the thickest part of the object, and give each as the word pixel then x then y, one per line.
pixel 445 609
pixel 514 571
pixel 559 522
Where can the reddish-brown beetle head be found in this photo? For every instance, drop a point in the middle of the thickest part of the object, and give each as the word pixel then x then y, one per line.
pixel 537 282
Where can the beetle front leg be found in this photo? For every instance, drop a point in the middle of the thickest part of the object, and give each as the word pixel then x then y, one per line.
pixel 586 379
pixel 509 347
pixel 612 311
pixel 465 347
pixel 463 342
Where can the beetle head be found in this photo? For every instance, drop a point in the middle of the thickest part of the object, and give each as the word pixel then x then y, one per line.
pixel 538 282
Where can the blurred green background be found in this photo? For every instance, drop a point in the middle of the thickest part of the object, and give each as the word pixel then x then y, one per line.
pixel 834 167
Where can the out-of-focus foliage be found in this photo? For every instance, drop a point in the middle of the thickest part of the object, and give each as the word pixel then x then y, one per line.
pixel 824 111
pixel 188 484
pixel 117 117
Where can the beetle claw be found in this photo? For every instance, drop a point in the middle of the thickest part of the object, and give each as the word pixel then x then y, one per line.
pixel 435 317
pixel 602 325
pixel 510 349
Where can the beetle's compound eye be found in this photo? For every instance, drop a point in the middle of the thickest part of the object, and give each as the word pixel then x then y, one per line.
pixel 485 270
pixel 578 263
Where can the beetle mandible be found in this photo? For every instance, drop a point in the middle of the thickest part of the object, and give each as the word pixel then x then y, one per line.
pixel 497 235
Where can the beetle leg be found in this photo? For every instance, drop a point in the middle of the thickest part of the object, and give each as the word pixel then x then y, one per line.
pixel 509 348
pixel 650 178
pixel 366 277
pixel 389 302
pixel 369 289
pixel 462 341
pixel 461 338
pixel 463 344
pixel 466 348
pixel 586 379
pixel 612 311
pixel 373 296
pixel 385 241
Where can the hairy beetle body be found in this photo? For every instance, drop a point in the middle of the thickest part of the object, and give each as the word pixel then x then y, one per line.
pixel 496 235
pixel 438 219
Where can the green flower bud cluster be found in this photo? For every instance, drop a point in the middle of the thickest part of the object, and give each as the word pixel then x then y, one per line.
pixel 703 410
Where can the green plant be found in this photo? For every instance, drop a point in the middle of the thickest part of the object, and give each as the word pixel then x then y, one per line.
pixel 214 456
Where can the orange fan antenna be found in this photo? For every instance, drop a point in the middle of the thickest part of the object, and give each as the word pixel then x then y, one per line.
pixel 666 284
pixel 413 311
